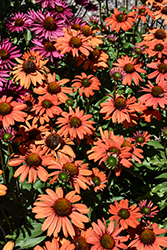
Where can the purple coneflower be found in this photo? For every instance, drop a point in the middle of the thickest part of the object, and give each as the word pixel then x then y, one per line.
pixel 117 74
pixel 3 74
pixel 147 209
pixel 7 135
pixel 18 22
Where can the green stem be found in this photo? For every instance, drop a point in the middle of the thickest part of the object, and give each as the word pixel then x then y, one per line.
pixel 7 220
pixel 119 41
pixel 2 163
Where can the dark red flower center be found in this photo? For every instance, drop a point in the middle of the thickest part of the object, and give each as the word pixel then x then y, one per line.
pixel 5 108
pixel 107 241
pixel 71 168
pixel 164 10
pixel 75 42
pixel 162 68
pixel 59 9
pixel 62 207
pixel 111 161
pixel 53 140
pixel 54 88
pixel 140 139
pixel 129 68
pixel 157 91
pixel 95 54
pixel 80 243
pixel 63 176
pixel 114 150
pixel 75 122
pixel 158 47
pixel 4 54
pixel 121 18
pixel 86 82
pixel 75 26
pixel 33 133
pixel 47 104
pixel 49 23
pixel 160 34
pixel 120 103
pixel 18 22
pixel 7 136
pixel 142 11
pixel 29 66
pixel 147 237
pixel 49 46
pixel 123 214
pixel 146 210
pixel 117 76
pixel 86 30
pixel 126 144
pixel 96 180
pixel 33 159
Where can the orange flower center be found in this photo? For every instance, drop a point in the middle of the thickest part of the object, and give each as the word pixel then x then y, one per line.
pixel 147 237
pixel 114 150
pixel 49 46
pixel 95 54
pixel 71 168
pixel 164 10
pixel 121 18
pixel 75 26
pixel 142 11
pixel 33 159
pixel 123 214
pixel 75 122
pixel 59 9
pixel 96 180
pixel 126 144
pixel 54 88
pixel 146 210
pixel 47 104
pixel 53 140
pixel 29 66
pixel 107 241
pixel 75 42
pixel 33 133
pixel 80 243
pixel 162 68
pixel 160 34
pixel 129 68
pixel 62 207
pixel 5 108
pixel 18 22
pixel 157 91
pixel 140 139
pixel 86 30
pixel 86 82
pixel 7 136
pixel 120 103
pixel 111 161
pixel 158 47
pixel 49 23
pixel 4 54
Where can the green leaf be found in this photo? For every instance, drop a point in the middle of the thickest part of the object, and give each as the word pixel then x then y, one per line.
pixel 162 176
pixel 155 144
pixel 27 243
pixel 160 189
pixel 27 36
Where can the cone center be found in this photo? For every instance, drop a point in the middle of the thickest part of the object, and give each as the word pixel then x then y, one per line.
pixel 107 241
pixel 62 207
pixel 53 140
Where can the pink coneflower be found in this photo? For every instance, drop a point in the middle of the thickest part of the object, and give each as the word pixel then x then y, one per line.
pixel 77 23
pixel 111 38
pixel 117 74
pixel 8 134
pixel 63 11
pixel 3 74
pixel 46 25
pixel 94 19
pixel 141 138
pixel 156 96
pixel 47 3
pixel 18 22
pixel 8 53
pixel 147 209
pixel 46 49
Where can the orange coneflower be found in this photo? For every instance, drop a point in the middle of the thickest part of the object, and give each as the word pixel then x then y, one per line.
pixel 47 107
pixel 3 188
pixel 147 238
pixel 160 34
pixel 119 20
pixel 33 162
pixel 124 215
pixel 142 12
pixel 54 87
pixel 131 68
pixel 59 210
pixel 76 124
pixel 8 246
pixel 72 42
pixel 156 2
pixel 86 84
pixel 98 179
pixel 157 48
pixel 160 70
pixel 11 111
pixel 119 109
pixel 97 59
pixel 148 114
pixel 103 237
pixel 80 240
pixel 75 172
pixel 162 13
pixel 55 245
pixel 30 70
